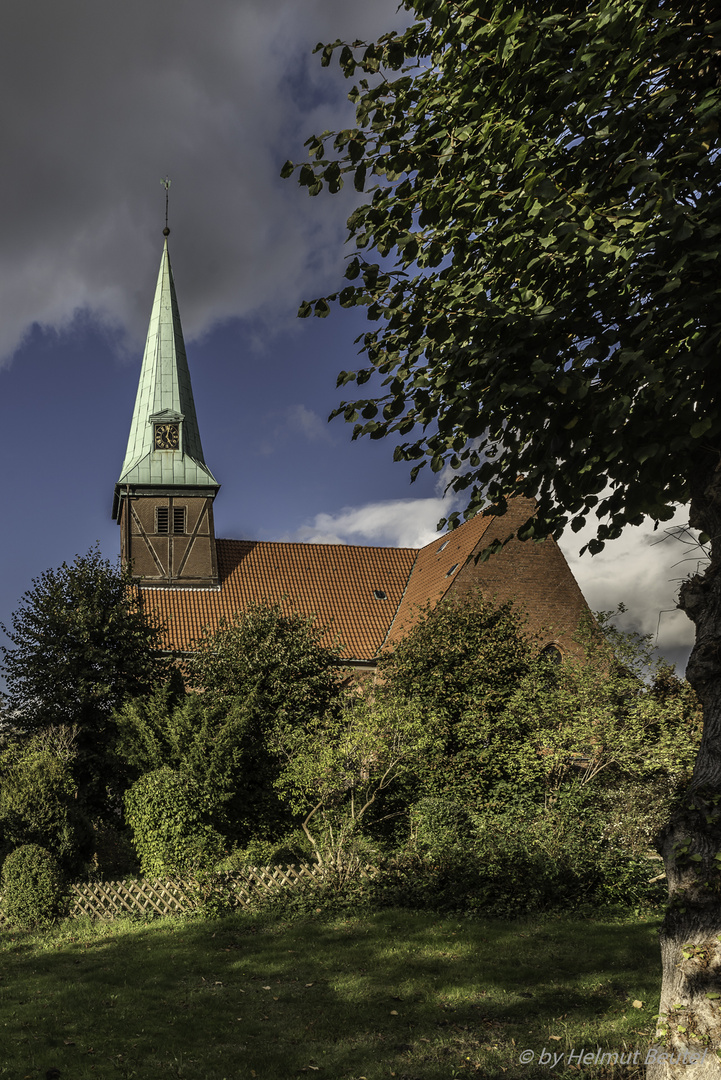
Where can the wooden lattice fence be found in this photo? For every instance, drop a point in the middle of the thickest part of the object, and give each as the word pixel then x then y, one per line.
pixel 172 896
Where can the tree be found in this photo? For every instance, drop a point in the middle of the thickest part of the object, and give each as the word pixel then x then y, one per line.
pixel 338 765
pixel 39 797
pixel 461 664
pixel 273 670
pixel 546 208
pixel 81 644
pixel 219 748
pixel 278 664
pixel 610 716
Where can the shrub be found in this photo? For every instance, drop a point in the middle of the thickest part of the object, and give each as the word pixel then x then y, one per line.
pixel 219 745
pixel 294 848
pixel 169 822
pixel 439 824
pixel 39 806
pixel 33 887
pixel 524 859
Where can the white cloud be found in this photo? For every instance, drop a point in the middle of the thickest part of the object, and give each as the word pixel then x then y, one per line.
pixel 643 569
pixel 393 523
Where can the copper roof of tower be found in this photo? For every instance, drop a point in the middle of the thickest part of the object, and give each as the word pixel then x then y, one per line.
pixel 165 394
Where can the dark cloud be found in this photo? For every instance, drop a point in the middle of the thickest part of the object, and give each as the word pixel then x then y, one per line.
pixel 98 101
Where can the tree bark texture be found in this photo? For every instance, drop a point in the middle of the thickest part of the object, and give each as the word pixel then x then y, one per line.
pixel 690 1014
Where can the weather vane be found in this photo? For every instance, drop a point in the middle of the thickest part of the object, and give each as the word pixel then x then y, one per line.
pixel 166 185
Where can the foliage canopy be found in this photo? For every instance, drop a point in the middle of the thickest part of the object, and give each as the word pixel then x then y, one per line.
pixel 81 644
pixel 544 198
pixel 512 726
pixel 39 797
pixel 277 663
pixel 219 748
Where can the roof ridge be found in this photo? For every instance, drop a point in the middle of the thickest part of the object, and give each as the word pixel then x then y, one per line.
pixel 310 544
pixel 400 603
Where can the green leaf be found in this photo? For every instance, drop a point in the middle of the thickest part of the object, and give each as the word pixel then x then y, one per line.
pixel 554 205
pixel 700 427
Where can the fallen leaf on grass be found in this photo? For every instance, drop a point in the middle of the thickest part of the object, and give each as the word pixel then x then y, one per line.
pixel 637 1004
pixel 556 1037
pixel 266 988
pixel 309 984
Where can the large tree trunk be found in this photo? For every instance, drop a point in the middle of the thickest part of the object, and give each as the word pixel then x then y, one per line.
pixel 690 944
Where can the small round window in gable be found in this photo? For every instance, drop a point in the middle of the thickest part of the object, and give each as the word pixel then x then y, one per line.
pixel 552 654
pixel 379 594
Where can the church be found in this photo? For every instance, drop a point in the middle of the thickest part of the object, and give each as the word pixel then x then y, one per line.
pixel 368 596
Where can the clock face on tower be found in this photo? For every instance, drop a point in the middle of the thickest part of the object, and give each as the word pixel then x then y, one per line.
pixel 167 437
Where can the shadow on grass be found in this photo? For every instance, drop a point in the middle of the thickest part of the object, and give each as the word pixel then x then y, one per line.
pixel 392 994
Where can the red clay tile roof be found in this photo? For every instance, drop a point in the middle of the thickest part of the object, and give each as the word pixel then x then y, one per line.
pixel 336 583
pixel 333 581
pixel 434 572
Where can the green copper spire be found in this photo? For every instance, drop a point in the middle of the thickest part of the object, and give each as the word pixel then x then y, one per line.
pixel 165 397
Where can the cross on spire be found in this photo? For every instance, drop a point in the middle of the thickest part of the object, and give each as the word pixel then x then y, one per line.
pixel 166 184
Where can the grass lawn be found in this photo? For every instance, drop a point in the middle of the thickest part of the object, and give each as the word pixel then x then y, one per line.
pixel 400 994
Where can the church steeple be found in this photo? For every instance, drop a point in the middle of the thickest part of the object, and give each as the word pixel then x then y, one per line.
pixel 163 497
pixel 164 399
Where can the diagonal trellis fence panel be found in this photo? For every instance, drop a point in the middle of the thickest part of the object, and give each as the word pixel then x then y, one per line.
pixel 175 896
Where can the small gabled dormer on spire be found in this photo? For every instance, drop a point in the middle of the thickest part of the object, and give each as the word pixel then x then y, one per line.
pixel 164 495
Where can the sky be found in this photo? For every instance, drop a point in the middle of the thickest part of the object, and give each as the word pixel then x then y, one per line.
pixel 99 102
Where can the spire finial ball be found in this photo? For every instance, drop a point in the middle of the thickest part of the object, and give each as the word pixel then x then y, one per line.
pixel 166 231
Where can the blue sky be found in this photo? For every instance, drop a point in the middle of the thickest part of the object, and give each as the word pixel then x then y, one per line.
pixel 98 104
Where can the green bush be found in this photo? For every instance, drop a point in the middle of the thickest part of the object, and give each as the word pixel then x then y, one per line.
pixel 294 848
pixel 33 887
pixel 166 813
pixel 521 860
pixel 39 805
pixel 439 824
pixel 501 862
